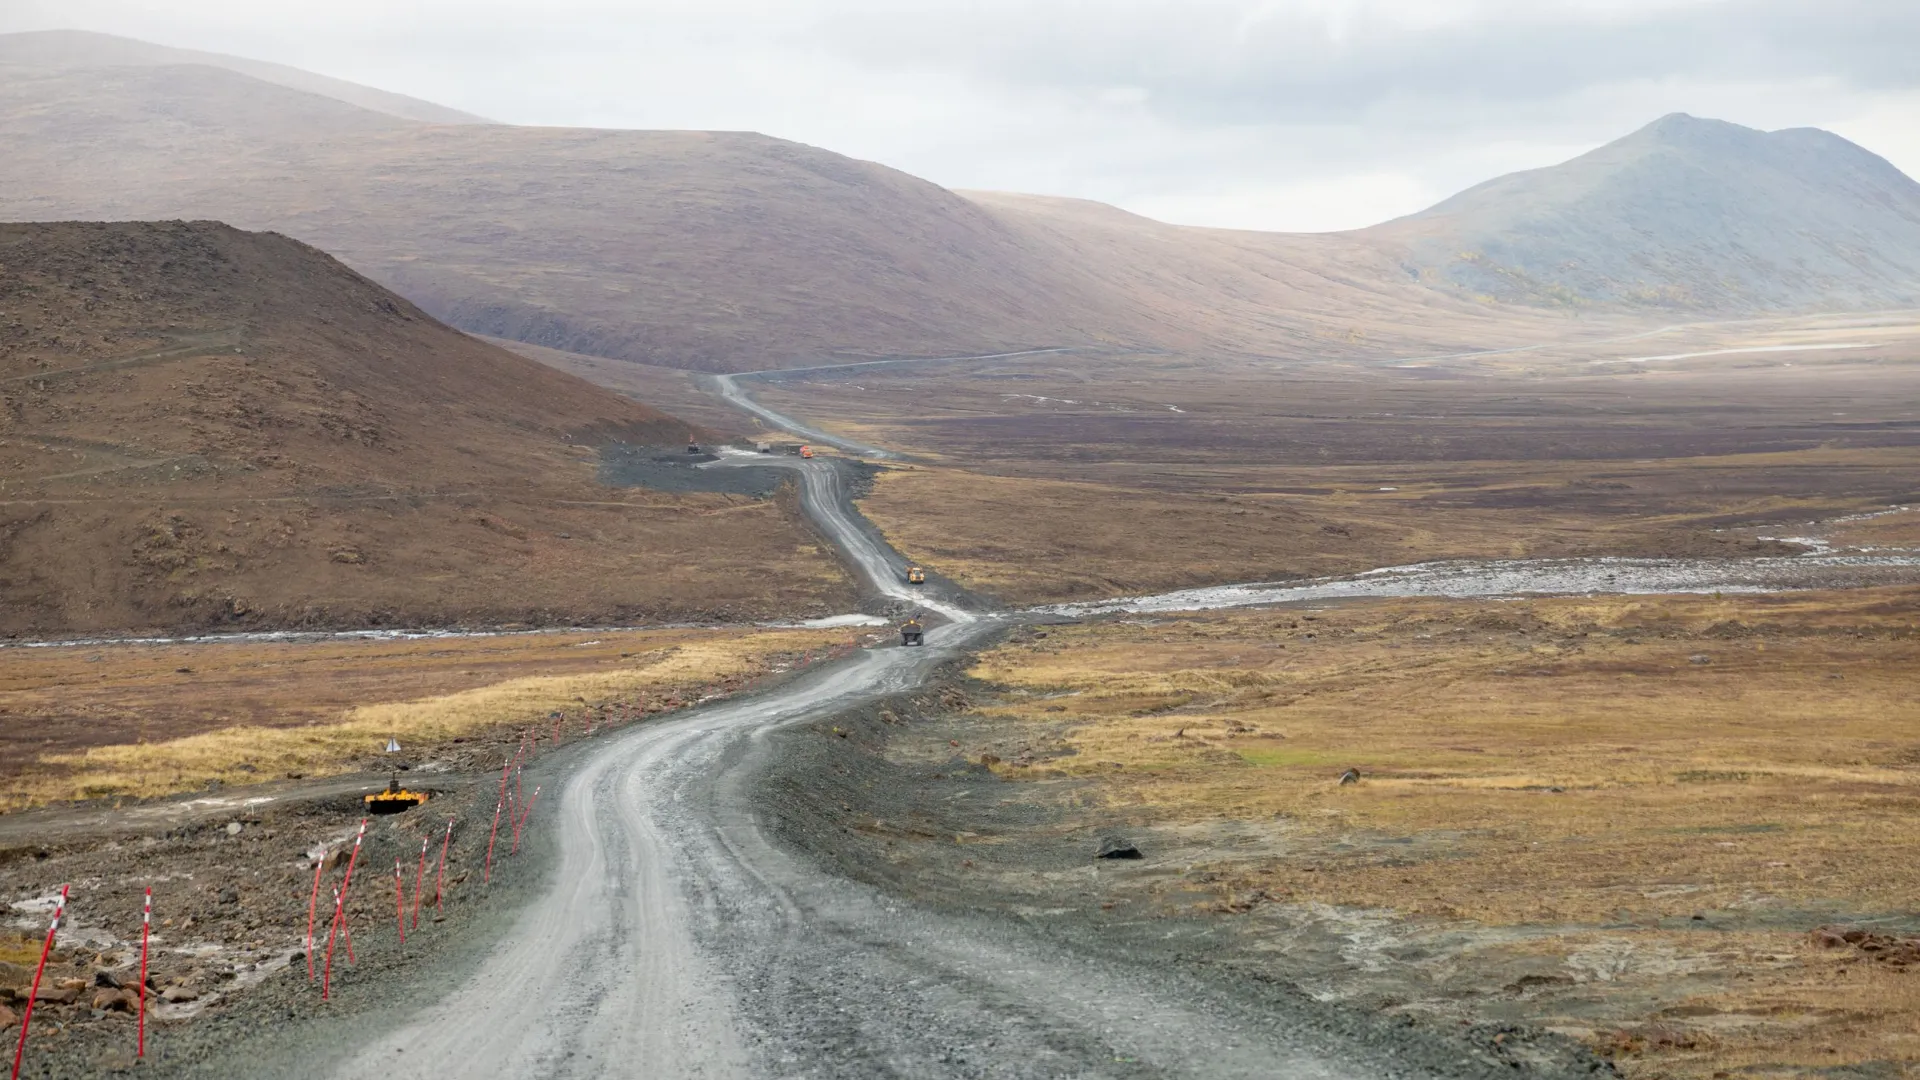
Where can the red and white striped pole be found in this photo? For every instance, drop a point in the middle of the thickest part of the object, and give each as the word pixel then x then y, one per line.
pixel 400 901
pixel 420 879
pixel 146 931
pixel 313 901
pixel 326 970
pixel 523 819
pixel 440 878
pixel 491 833
pixel 340 910
pixel 27 1017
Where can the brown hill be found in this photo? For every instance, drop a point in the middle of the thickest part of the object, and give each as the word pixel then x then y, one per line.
pixel 204 426
pixel 717 251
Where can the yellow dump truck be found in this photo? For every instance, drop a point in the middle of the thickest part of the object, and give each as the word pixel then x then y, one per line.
pixel 916 576
pixel 912 633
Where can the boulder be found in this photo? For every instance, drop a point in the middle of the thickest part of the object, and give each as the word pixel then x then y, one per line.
pixel 116 1001
pixel 8 1018
pixel 57 995
pixel 1114 847
pixel 179 994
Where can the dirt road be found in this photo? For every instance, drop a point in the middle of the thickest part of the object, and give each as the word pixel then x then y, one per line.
pixel 677 940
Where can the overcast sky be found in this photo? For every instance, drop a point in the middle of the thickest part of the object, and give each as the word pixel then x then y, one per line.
pixel 1276 114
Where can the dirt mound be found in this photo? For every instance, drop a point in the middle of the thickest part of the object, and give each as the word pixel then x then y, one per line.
pixel 201 426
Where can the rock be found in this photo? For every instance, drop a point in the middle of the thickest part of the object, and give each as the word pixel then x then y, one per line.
pixel 233 828
pixel 1699 658
pixel 8 1018
pixel 75 985
pixel 1114 847
pixel 229 896
pixel 57 995
pixel 179 994
pixel 1827 939
pixel 107 979
pixel 1351 776
pixel 115 1001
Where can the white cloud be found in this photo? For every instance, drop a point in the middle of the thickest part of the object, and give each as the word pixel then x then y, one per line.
pixel 1305 114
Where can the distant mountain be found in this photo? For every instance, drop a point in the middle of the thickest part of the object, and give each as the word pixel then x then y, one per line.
pixel 1684 213
pixel 704 250
pixel 732 251
pixel 74 50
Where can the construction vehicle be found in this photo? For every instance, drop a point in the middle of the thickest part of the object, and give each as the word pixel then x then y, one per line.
pixel 394 800
pixel 806 451
pixel 693 445
pixel 911 632
pixel 916 576
pixel 763 448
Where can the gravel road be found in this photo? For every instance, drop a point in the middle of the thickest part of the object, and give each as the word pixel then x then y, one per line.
pixel 678 940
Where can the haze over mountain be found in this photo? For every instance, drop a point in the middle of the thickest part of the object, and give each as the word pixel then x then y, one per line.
pixel 735 251
pixel 1685 213
pixel 201 426
pixel 70 50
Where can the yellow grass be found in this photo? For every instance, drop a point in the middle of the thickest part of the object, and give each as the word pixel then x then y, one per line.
pixel 1549 763
pixel 248 753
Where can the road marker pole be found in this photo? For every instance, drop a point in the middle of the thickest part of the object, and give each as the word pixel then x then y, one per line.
pixel 340 907
pixel 441 877
pixel 27 1017
pixel 146 929
pixel 400 901
pixel 420 878
pixel 523 819
pixel 491 833
pixel 558 719
pixel 313 901
pixel 326 970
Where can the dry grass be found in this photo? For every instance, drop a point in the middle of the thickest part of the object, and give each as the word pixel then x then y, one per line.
pixel 1546 769
pixel 1030 540
pixel 158 720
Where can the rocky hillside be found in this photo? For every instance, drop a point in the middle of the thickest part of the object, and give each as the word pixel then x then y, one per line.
pixel 205 427
pixel 1685 213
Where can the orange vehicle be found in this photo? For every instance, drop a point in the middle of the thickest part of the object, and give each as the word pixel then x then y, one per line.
pixel 806 451
pixel 916 576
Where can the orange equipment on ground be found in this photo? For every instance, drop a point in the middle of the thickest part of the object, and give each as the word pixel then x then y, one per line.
pixel 394 800
pixel 806 451
pixel 916 576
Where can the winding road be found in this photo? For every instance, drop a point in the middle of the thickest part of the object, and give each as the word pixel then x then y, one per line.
pixel 677 939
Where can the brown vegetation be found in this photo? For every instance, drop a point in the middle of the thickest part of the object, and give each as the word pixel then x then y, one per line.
pixel 1065 476
pixel 1618 817
pixel 141 720
pixel 203 427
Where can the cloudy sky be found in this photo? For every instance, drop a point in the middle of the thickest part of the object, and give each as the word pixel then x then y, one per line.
pixel 1279 114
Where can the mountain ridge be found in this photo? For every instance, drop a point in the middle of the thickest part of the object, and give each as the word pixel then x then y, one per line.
pixel 739 251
